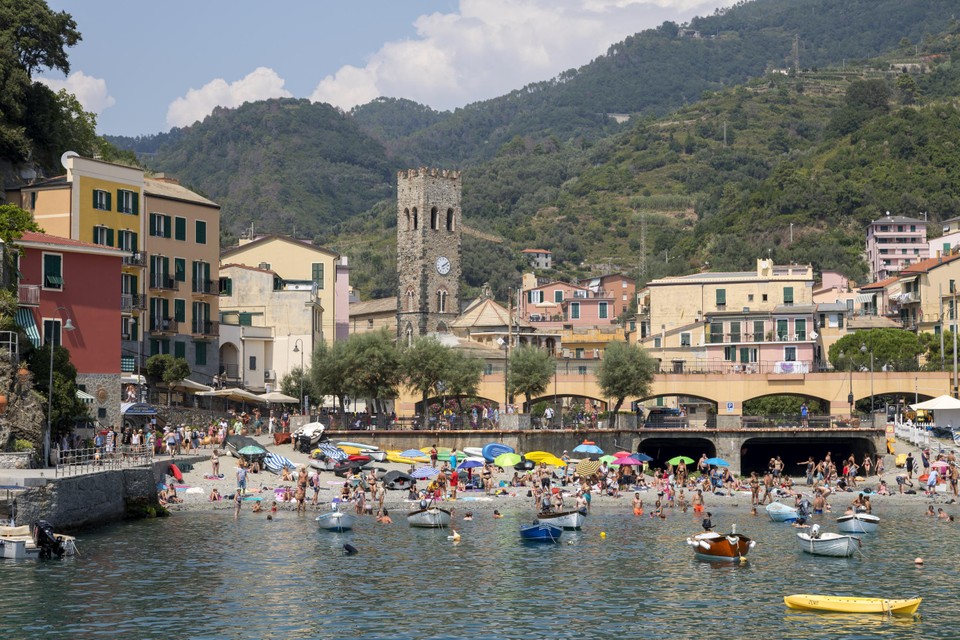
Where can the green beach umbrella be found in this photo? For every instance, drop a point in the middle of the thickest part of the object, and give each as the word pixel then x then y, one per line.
pixel 611 459
pixel 675 461
pixel 506 459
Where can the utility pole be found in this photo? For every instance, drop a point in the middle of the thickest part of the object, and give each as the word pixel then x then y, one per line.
pixel 642 262
pixel 796 55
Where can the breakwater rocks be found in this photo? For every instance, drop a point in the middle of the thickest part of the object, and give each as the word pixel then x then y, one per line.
pixel 90 500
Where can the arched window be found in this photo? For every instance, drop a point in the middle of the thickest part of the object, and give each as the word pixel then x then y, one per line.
pixel 406 212
pixel 449 219
pixel 410 300
pixel 409 333
pixel 441 300
pixel 434 219
pixel 415 221
pixel 442 327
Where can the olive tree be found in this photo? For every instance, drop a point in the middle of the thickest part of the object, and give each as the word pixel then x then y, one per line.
pixel 626 370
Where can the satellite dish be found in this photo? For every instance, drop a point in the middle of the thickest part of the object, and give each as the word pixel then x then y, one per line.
pixel 66 156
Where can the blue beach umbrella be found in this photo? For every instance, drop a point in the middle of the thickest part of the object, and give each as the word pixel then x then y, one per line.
pixel 718 462
pixel 412 453
pixel 642 457
pixel 424 472
pixel 587 448
pixel 469 464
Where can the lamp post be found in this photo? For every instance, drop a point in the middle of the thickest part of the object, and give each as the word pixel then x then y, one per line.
pixel 863 350
pixel 68 326
pixel 298 348
pixel 850 395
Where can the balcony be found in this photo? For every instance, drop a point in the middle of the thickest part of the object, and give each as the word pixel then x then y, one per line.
pixel 206 328
pixel 205 288
pixel 164 325
pixel 135 259
pixel 163 282
pixel 28 295
pixel 130 302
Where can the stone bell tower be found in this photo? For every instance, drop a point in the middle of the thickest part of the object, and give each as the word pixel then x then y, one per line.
pixel 429 241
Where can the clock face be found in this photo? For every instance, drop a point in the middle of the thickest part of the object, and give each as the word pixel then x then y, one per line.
pixel 443 265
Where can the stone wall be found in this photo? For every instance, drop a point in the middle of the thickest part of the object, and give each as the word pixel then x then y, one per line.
pixel 84 501
pixel 106 388
pixel 21 460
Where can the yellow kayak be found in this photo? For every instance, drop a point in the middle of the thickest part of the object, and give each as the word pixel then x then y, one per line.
pixel 394 456
pixel 841 604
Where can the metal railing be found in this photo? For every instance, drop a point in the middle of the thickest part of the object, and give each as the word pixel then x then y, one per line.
pixel 164 282
pixel 94 459
pixel 205 287
pixel 164 325
pixel 206 328
pixel 132 301
pixel 135 259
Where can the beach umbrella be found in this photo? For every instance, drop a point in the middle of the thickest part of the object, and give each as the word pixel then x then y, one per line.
pixel 642 457
pixel 609 459
pixel 717 462
pixel 332 452
pixel 675 461
pixel 469 464
pixel 276 463
pixel 587 467
pixel 622 454
pixel 628 461
pixel 940 464
pixel 412 453
pixel 587 448
pixel 425 472
pixel 251 450
pixel 506 459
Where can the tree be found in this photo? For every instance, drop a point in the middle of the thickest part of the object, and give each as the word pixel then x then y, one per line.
pixel 424 364
pixel 893 349
pixel 65 407
pixel 167 369
pixel 329 366
pixel 376 373
pixel 463 378
pixel 626 370
pixel 531 370
pixel 13 222
pixel 294 382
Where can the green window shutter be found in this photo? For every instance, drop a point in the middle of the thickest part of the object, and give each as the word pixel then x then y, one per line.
pixel 133 241
pixel 110 238
pixel 179 350
pixel 133 283
pixel 721 297
pixel 200 351
pixel 165 261
pixel 180 269
pixel 153 225
pixel 788 295
pixel 120 200
pixel 109 201
pixel 166 226
pixel 136 204
pixel 201 232
pixel 782 329
pixel 154 347
pixel 95 198
pixel 180 229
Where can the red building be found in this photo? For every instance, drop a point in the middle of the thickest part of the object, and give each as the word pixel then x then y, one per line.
pixel 63 279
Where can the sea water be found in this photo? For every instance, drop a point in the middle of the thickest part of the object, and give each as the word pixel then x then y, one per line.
pixel 205 575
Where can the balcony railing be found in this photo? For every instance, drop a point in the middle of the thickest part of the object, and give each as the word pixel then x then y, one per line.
pixel 205 328
pixel 135 259
pixel 738 338
pixel 206 287
pixel 132 301
pixel 164 282
pixel 164 325
pixel 28 295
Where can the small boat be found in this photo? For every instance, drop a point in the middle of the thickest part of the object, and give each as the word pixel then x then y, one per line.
pixel 835 545
pixel 564 519
pixel 841 604
pixel 357 445
pixel 429 517
pixel 474 452
pixel 492 450
pixel 394 456
pixel 336 521
pixel 541 532
pixel 710 545
pixel 858 523
pixel 780 512
pixel 378 456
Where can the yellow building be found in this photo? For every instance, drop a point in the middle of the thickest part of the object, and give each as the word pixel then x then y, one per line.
pixel 928 294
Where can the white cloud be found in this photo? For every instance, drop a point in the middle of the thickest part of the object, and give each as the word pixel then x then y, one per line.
pixel 90 92
pixel 490 47
pixel 260 84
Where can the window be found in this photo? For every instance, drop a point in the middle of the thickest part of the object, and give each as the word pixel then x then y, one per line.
pixel 716 332
pixel 201 232
pixel 200 353
pixel 684 339
pixel 800 328
pixel 226 286
pixel 180 228
pixel 730 354
pixel 721 298
pixel 201 318
pixel 180 269
pixel 602 310
pixel 763 297
pixel 129 329
pixel 558 295
pixel 534 297
pixel 52 271
pixel 253 363
pixel 128 283
pixel 790 354
pixel 434 219
pixel 101 200
pixel 128 201
pixel 159 225
pixel 159 346
pixel 574 310
pixel 53 330
pixel 180 310
pixel 316 274
pixel 582 370
pixel 449 219
pixel 578 353
pixel 782 330
pixel 180 350
pixel 416 221
pixel 103 235
pixel 488 369
pixel 657 342
pixel 749 297
pixel 946 248
pixel 441 301
pixel 788 295
pixel 127 240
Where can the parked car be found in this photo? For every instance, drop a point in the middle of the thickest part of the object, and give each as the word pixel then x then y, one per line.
pixel 665 417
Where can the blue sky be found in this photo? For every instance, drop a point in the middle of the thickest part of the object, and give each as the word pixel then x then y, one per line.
pixel 146 67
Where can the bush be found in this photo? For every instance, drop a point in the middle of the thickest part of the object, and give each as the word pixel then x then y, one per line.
pixel 20 445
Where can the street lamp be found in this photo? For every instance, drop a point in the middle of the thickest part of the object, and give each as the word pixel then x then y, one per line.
pixel 556 370
pixel 849 395
pixel 863 350
pixel 297 348
pixel 68 326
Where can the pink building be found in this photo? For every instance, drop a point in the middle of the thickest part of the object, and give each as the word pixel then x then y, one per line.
pixel 893 243
pixel 617 287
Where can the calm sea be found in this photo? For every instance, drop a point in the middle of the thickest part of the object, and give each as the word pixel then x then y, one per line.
pixel 203 575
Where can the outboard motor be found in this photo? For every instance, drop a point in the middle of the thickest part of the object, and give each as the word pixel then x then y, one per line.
pixel 48 544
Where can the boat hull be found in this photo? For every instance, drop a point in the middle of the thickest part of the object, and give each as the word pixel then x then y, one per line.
pixel 719 547
pixel 565 519
pixel 336 521
pixel 829 544
pixel 432 518
pixel 779 512
pixel 858 523
pixel 838 604
pixel 541 532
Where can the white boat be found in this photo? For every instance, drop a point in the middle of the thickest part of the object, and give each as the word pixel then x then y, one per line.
pixel 858 523
pixel 336 521
pixel 566 519
pixel 19 543
pixel 18 548
pixel 378 456
pixel 474 452
pixel 835 545
pixel 430 517
pixel 780 512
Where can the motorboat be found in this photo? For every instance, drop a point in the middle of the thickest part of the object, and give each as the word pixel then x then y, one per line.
pixel 710 545
pixel 835 545
pixel 429 517
pixel 307 437
pixel 858 523
pixel 842 604
pixel 541 532
pixel 336 520
pixel 22 543
pixel 780 512
pixel 565 519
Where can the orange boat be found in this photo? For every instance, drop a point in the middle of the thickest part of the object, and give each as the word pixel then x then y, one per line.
pixel 718 546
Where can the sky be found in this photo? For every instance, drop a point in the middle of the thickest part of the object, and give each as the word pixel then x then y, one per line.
pixel 147 67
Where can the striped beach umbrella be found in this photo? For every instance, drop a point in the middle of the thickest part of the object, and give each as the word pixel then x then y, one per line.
pixel 332 452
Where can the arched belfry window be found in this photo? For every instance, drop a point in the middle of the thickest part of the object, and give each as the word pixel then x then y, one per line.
pixel 442 327
pixel 409 333
pixel 441 300
pixel 449 219
pixel 410 306
pixel 434 219
pixel 415 221
pixel 406 212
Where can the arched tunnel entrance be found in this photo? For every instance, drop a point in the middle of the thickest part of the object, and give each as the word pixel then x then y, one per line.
pixel 755 453
pixel 663 449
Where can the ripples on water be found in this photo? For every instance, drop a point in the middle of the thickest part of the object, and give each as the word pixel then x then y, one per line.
pixel 203 575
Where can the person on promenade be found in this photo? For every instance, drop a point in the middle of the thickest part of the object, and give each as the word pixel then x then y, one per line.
pixel 215 462
pixel 241 478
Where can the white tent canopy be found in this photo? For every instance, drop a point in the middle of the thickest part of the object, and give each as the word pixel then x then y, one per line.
pixel 276 396
pixel 938 403
pixel 237 395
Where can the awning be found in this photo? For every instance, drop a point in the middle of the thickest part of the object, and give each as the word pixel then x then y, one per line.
pixel 865 297
pixel 28 324
pixel 85 397
pixel 908 278
pixel 137 409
